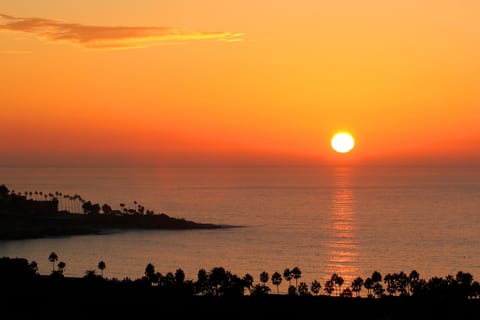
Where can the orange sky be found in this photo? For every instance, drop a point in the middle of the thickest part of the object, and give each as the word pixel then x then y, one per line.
pixel 246 82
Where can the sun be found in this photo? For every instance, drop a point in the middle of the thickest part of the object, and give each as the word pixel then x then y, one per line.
pixel 343 142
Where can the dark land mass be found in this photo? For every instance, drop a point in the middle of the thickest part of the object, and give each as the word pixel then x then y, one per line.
pixel 217 294
pixel 22 218
pixel 15 226
pixel 82 298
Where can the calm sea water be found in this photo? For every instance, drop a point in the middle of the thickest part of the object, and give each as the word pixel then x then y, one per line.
pixel 351 221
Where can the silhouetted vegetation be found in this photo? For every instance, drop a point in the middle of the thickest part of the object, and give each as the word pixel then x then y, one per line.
pixel 35 214
pixel 221 282
pixel 22 282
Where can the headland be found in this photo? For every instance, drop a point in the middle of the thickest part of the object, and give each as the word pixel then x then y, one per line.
pixel 22 217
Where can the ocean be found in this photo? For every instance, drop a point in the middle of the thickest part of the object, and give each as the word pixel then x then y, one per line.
pixel 345 220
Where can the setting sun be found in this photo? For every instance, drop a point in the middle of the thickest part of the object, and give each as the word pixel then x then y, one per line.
pixel 343 142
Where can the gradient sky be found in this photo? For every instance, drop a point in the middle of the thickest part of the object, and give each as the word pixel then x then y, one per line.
pixel 216 82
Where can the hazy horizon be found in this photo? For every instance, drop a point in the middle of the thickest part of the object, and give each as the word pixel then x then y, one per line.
pixel 127 160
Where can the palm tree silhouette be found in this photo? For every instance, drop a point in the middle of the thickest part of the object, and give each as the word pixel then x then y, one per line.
pixel 264 277
pixel 368 284
pixel 329 287
pixel 179 277
pixel 248 281
pixel 102 266
pixel 297 274
pixel 217 278
pixel 287 275
pixel 303 289
pixel 464 282
pixel 150 273
pixel 377 285
pixel 34 267
pixel 338 282
pixel 201 285
pixel 53 258
pixel 315 287
pixel 357 284
pixel 413 281
pixel 347 293
pixel 292 291
pixel 61 267
pixel 276 280
pixel 376 276
pixel 378 289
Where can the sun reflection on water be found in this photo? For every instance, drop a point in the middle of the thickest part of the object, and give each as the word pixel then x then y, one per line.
pixel 342 248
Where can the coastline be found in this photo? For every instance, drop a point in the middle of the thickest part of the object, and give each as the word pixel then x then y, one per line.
pixel 20 227
pixel 24 218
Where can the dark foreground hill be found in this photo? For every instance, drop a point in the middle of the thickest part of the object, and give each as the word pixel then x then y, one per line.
pixel 77 298
pixel 215 295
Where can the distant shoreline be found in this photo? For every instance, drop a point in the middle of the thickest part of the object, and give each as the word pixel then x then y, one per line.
pixel 26 218
pixel 22 227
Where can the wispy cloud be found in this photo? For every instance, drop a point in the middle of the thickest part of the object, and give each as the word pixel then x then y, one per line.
pixel 107 37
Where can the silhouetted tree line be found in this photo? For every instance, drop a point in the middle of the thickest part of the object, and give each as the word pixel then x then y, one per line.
pixel 22 217
pixel 75 203
pixel 219 282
